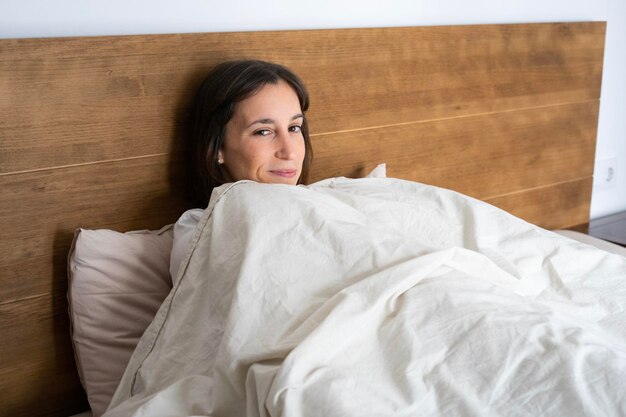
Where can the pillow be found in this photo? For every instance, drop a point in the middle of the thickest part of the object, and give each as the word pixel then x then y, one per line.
pixel 117 281
pixel 183 234
pixel 379 172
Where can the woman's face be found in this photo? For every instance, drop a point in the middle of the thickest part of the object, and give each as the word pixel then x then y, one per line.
pixel 263 140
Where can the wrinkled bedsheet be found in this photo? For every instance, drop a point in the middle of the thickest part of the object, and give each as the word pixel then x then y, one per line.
pixel 380 297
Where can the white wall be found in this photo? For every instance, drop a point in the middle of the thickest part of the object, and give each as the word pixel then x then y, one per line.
pixel 612 124
pixel 45 18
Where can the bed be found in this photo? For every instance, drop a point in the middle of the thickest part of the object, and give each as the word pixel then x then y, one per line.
pixel 91 137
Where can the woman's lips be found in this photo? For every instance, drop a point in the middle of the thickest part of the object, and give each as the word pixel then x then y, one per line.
pixel 286 173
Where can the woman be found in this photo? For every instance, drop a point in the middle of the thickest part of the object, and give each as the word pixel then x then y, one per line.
pixel 248 123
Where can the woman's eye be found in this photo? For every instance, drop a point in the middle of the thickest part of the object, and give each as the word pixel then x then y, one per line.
pixel 262 132
pixel 295 128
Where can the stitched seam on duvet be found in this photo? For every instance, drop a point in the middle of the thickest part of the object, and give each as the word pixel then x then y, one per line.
pixel 163 317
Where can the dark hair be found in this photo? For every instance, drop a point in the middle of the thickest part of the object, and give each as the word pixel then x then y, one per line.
pixel 226 85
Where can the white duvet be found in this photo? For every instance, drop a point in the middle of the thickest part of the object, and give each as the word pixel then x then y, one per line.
pixel 380 297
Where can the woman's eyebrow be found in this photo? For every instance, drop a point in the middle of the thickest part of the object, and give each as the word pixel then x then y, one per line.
pixel 261 121
pixel 271 121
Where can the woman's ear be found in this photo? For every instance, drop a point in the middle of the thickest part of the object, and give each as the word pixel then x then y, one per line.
pixel 220 157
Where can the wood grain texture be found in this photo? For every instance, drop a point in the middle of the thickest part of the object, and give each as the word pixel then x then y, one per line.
pixel 40 210
pixel 77 100
pixel 90 132
pixel 556 206
pixel 37 372
pixel 483 156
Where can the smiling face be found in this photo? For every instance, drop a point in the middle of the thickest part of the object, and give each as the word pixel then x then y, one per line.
pixel 263 140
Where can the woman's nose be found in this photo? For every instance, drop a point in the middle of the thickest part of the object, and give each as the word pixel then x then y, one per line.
pixel 286 146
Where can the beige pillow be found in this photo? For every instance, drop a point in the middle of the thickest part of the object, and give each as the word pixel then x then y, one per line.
pixel 379 172
pixel 117 281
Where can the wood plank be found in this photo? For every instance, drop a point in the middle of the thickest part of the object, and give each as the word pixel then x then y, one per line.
pixel 557 206
pixel 37 371
pixel 40 210
pixel 77 100
pixel 481 156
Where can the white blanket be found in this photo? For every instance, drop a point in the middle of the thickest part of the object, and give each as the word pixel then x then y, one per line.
pixel 376 297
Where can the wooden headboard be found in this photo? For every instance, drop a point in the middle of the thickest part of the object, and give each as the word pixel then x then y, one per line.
pixel 90 136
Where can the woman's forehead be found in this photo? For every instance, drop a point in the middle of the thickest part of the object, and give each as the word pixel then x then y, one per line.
pixel 271 101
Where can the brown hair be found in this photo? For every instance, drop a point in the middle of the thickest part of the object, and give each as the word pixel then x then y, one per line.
pixel 226 85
